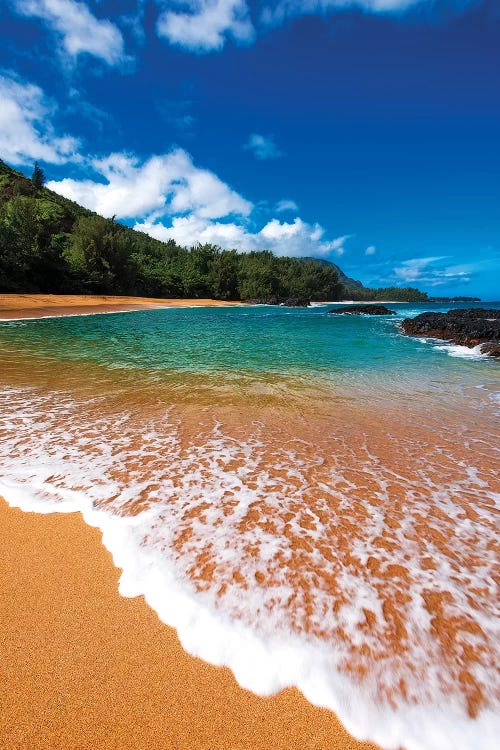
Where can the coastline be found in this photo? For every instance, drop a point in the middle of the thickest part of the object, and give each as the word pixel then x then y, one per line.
pixel 30 306
pixel 84 667
pixel 33 306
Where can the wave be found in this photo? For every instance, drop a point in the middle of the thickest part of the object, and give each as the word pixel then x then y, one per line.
pixel 294 554
pixel 464 352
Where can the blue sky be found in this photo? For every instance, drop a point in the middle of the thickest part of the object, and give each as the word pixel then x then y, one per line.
pixel 364 132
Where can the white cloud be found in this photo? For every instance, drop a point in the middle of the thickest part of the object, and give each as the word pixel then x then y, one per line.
pixel 167 184
pixel 283 9
pixel 207 24
pixel 80 30
pixel 262 147
pixel 286 205
pixel 430 271
pixel 189 230
pixel 298 239
pixel 371 250
pixel 166 195
pixel 415 268
pixel 171 198
pixel 26 133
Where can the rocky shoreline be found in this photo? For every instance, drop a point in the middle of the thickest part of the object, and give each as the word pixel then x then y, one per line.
pixel 470 327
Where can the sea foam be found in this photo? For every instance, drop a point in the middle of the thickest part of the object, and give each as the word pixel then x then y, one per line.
pixel 184 513
pixel 465 352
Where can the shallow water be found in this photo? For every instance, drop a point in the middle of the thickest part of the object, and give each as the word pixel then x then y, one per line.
pixel 308 498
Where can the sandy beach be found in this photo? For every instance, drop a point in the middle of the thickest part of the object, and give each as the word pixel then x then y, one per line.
pixel 83 667
pixel 13 306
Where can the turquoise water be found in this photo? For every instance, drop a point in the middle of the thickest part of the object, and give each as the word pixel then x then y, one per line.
pixel 244 339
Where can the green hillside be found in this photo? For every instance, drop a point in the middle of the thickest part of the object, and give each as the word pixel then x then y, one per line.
pixel 51 244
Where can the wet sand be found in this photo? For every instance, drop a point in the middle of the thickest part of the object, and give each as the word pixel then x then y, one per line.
pixel 14 306
pixel 82 667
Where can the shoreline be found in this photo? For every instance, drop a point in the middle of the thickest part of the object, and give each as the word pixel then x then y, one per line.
pixel 83 666
pixel 33 306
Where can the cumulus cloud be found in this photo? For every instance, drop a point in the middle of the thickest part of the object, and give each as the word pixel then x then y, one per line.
pixel 171 198
pixel 80 30
pixel 262 147
pixel 286 205
pixel 25 130
pixel 298 239
pixel 371 250
pixel 169 183
pixel 205 25
pixel 189 230
pixel 166 195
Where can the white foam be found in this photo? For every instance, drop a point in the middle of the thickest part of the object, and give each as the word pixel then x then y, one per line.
pixel 76 315
pixel 454 350
pixel 46 467
pixel 464 352
pixel 265 666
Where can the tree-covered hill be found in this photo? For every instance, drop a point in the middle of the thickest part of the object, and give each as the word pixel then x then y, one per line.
pixel 355 290
pixel 51 244
pixel 345 280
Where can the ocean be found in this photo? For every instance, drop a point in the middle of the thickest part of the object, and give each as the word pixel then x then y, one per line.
pixel 309 499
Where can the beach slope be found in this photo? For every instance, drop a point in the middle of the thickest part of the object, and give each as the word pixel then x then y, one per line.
pixel 81 667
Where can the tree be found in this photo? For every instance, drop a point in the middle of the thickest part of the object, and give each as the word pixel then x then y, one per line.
pixel 23 217
pixel 257 275
pixel 38 177
pixel 224 275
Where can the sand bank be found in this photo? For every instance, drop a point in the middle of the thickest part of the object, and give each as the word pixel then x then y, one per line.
pixel 82 667
pixel 14 306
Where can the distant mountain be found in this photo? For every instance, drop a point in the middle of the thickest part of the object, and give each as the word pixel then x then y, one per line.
pixel 345 280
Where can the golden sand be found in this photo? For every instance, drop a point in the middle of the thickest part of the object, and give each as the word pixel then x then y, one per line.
pixel 83 668
pixel 42 305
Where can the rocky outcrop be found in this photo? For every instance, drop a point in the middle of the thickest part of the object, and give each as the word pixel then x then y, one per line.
pixel 470 327
pixel 296 302
pixel 273 299
pixel 363 310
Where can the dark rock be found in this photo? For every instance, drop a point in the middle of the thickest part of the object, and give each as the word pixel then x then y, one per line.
pixel 363 310
pixel 491 348
pixel 468 327
pixel 296 302
pixel 273 299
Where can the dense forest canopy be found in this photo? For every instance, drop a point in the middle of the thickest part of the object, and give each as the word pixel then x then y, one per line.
pixel 51 244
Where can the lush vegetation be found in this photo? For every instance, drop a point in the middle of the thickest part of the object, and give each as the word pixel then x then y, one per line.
pixel 387 293
pixel 51 244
